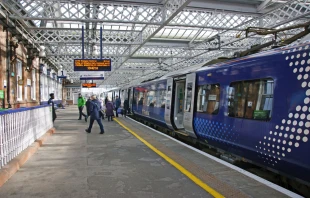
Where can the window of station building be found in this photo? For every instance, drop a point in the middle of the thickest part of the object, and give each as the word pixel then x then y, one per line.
pixel 208 98
pixel 68 94
pixel 19 79
pixel 251 99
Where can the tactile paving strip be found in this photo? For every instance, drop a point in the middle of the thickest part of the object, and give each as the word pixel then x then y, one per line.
pixel 208 178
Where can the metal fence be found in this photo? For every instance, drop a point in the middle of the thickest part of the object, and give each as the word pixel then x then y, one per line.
pixel 19 128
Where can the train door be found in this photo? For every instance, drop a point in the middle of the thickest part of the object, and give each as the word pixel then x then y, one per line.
pixel 168 105
pixel 189 104
pixel 130 99
pixel 179 96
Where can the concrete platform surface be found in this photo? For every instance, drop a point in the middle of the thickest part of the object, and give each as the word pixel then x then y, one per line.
pixel 73 163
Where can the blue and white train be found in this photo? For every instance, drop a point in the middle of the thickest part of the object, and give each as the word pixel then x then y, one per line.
pixel 256 107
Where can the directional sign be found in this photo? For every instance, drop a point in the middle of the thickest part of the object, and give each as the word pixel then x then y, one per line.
pixel 92 64
pixel 92 76
pixel 89 85
pixel 62 74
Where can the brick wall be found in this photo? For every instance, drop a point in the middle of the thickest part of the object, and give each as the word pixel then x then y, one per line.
pixel 21 53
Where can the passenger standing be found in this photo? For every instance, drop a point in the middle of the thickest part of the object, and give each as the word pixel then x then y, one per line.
pixel 109 109
pixel 101 104
pixel 81 104
pixel 95 108
pixel 126 107
pixel 106 100
pixel 51 102
pixel 117 104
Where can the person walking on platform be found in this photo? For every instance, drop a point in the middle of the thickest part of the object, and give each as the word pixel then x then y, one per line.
pixel 81 104
pixel 117 104
pixel 109 109
pixel 87 104
pixel 51 102
pixel 95 107
pixel 126 107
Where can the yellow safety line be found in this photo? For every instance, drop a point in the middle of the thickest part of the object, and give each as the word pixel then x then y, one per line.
pixel 175 164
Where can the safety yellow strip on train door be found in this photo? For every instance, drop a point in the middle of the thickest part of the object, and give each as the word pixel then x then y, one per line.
pixel 175 164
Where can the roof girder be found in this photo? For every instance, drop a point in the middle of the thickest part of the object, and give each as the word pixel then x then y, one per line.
pixel 294 10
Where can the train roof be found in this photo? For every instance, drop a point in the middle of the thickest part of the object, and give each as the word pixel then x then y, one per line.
pixel 183 71
pixel 274 51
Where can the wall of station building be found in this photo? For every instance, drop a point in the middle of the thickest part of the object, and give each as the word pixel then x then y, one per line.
pixel 26 87
pixel 50 83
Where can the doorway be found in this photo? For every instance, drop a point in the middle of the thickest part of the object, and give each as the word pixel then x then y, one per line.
pixel 179 104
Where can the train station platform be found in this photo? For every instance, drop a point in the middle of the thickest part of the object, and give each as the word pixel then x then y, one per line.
pixel 128 160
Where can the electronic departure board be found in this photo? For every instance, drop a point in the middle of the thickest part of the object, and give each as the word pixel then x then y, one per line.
pixel 92 64
pixel 89 85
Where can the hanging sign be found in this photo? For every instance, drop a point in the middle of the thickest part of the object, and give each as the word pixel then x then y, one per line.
pixel 92 77
pixel 92 64
pixel 62 74
pixel 89 85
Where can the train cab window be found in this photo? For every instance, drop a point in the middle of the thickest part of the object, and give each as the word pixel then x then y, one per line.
pixel 251 99
pixel 208 98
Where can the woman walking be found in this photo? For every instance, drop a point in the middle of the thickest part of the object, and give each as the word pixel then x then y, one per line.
pixel 109 109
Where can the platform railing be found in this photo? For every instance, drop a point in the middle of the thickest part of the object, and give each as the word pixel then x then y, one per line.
pixel 19 128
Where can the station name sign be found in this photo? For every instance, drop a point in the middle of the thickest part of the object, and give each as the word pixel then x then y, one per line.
pixel 92 64
pixel 89 85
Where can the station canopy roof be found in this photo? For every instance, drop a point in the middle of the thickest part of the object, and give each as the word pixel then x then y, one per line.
pixel 148 38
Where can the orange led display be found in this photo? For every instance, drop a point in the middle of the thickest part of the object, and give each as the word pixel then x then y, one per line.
pixel 92 64
pixel 89 85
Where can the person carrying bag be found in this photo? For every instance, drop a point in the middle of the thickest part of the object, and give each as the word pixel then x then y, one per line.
pixel 95 114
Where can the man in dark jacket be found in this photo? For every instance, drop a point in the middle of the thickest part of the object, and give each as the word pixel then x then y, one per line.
pixel 126 107
pixel 106 100
pixel 95 107
pixel 88 103
pixel 51 102
pixel 117 104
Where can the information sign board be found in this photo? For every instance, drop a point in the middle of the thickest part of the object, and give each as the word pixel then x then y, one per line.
pixel 89 85
pixel 92 64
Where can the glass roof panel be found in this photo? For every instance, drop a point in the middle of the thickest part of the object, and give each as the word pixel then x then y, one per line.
pixel 37 22
pixel 192 34
pixel 74 25
pixel 50 24
pixel 66 25
pixel 173 33
pixel 23 3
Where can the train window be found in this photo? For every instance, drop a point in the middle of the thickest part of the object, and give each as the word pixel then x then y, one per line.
pixel 208 98
pixel 151 98
pixel 188 102
pixel 161 98
pixel 251 99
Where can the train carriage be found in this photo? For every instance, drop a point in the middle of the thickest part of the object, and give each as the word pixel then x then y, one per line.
pixel 255 107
